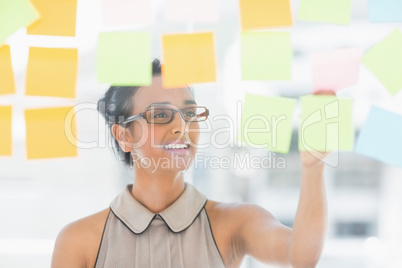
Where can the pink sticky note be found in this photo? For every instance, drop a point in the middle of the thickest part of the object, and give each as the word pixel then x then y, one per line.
pixel 126 12
pixel 192 10
pixel 337 69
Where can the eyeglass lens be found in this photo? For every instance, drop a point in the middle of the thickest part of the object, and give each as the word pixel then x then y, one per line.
pixel 161 115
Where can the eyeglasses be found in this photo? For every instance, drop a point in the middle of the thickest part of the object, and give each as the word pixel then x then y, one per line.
pixel 157 115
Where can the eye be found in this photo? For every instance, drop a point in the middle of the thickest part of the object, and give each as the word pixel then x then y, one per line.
pixel 160 115
pixel 190 113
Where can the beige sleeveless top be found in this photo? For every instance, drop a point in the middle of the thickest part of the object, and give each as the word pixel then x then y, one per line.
pixel 178 237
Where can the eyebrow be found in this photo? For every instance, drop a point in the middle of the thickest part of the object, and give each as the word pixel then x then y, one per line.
pixel 186 102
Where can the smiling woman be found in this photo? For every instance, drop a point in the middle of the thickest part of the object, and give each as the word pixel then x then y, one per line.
pixel 117 106
pixel 161 221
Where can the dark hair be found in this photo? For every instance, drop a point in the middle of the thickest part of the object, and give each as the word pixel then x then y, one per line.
pixel 117 105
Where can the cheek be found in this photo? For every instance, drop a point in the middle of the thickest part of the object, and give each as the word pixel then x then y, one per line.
pixel 140 132
pixel 143 138
pixel 153 138
pixel 194 133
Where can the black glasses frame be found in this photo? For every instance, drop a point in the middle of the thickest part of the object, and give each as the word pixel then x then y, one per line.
pixel 174 111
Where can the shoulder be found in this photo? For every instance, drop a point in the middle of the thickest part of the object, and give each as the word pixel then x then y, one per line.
pixel 78 242
pixel 251 222
pixel 244 228
pixel 238 213
pixel 232 224
pixel 235 219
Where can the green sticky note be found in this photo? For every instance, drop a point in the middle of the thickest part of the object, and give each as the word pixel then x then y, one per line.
pixel 327 11
pixel 15 14
pixel 326 124
pixel 266 122
pixel 266 56
pixel 385 61
pixel 124 58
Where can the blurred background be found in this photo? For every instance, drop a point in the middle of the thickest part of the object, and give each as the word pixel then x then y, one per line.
pixel 39 197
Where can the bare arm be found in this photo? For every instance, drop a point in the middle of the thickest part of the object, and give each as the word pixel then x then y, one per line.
pixel 266 239
pixel 77 244
pixel 307 238
pixel 68 250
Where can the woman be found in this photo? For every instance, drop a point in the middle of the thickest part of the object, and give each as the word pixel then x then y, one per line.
pixel 161 221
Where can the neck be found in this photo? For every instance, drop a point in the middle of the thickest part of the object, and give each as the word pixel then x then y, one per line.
pixel 157 191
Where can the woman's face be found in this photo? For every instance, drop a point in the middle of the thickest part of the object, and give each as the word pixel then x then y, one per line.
pixel 150 139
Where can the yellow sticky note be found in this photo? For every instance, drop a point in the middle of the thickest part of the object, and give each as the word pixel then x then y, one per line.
pixel 257 14
pixel 51 133
pixel 188 58
pixel 52 72
pixel 58 17
pixel 5 133
pixel 7 85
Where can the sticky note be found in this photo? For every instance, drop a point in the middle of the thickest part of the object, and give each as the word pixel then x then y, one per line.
pixel 266 56
pixel 334 70
pixel 380 137
pixel 58 17
pixel 124 58
pixel 5 133
pixel 326 124
pixel 384 60
pixel 187 59
pixel 192 10
pixel 10 22
pixel 257 14
pixel 126 12
pixel 52 72
pixel 7 85
pixel 385 10
pixel 50 133
pixel 326 11
pixel 266 122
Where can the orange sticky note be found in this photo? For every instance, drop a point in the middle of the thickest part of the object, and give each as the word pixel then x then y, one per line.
pixel 52 72
pixel 58 17
pixel 7 85
pixel 187 59
pixel 5 133
pixel 260 14
pixel 51 133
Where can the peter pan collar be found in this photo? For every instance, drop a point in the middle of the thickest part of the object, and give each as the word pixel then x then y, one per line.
pixel 178 216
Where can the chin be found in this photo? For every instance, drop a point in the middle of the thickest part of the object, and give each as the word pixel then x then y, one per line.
pixel 172 163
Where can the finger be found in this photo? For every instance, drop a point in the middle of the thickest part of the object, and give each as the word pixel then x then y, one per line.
pixel 325 92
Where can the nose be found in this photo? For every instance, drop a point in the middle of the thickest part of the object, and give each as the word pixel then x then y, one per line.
pixel 178 124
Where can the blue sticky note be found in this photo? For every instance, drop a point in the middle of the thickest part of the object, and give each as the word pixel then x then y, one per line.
pixel 385 10
pixel 381 137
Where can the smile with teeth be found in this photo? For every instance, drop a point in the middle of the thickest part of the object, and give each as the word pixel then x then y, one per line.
pixel 176 146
